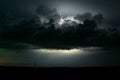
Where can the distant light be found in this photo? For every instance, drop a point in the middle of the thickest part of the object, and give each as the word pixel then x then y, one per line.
pixel 60 51
pixel 74 51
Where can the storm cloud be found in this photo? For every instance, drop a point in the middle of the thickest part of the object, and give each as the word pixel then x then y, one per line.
pixel 20 18
pixel 109 8
pixel 47 13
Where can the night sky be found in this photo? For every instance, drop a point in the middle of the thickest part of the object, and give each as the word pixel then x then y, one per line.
pixel 109 8
pixel 59 33
pixel 16 17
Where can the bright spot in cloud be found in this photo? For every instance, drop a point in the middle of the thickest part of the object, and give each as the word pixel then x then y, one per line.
pixel 61 21
pixel 69 19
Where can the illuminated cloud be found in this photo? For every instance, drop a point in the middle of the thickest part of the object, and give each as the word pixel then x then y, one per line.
pixel 69 20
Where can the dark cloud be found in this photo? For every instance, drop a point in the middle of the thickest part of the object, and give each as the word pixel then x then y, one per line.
pixel 99 18
pixel 84 16
pixel 89 16
pixel 102 13
pixel 109 8
pixel 47 12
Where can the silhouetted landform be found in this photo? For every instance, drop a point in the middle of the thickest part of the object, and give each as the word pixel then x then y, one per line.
pixel 10 69
pixel 34 32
